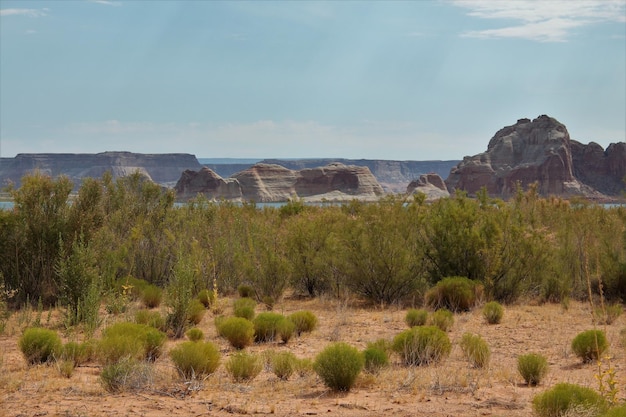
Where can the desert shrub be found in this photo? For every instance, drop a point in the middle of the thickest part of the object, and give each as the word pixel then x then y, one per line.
pixel 454 293
pixel 126 375
pixel 283 364
pixel 304 320
pixel 589 345
pixel 422 345
pixel 243 366
pixel 194 359
pixel 194 334
pixel 196 312
pixel 269 302
pixel 415 317
pixel 66 368
pixel 382 344
pixel 131 287
pixel 609 314
pixel 532 367
pixel 338 365
pixel 218 320
pixel 132 340
pixel 150 318
pixel 564 398
pixel 77 353
pixel 238 331
pixel 618 411
pixel 375 358
pixel 245 291
pixel 39 345
pixel 285 329
pixel 442 318
pixel 476 350
pixel 244 307
pixel 304 366
pixel 493 312
pixel 266 326
pixel 151 296
pixel 206 297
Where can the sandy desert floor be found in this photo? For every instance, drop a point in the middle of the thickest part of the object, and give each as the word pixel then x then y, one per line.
pixel 451 388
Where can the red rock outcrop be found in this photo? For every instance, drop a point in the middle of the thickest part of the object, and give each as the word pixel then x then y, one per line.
pixel 432 185
pixel 265 183
pixel 534 151
pixel 208 183
pixel 603 170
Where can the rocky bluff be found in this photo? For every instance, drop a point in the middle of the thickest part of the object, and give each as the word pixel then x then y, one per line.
pixel 541 151
pixel 265 183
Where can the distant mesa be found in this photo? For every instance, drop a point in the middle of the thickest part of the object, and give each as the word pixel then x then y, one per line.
pixel 541 151
pixel 431 185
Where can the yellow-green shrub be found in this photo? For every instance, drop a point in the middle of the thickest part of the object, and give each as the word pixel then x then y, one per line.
pixel 195 359
pixel 442 318
pixel 422 345
pixel 338 365
pixel 415 317
pixel 564 398
pixel 493 312
pixel 589 345
pixel 476 350
pixel 39 345
pixel 532 367
pixel 304 320
pixel 238 331
pixel 243 366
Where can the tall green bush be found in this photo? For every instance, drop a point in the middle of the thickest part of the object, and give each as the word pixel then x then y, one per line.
pixel 454 294
pixel 338 365
pixel 39 345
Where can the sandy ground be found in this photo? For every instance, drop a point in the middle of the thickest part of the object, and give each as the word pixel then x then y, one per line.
pixel 450 389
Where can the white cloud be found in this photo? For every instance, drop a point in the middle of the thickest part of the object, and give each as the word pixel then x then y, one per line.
pixel 544 21
pixel 24 12
pixel 106 2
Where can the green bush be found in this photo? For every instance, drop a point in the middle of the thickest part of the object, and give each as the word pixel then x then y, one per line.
pixel 194 334
pixel 476 350
pixel 269 302
pixel 39 345
pixel 283 364
pixel 532 367
pixel 609 314
pixel 238 331
pixel 566 398
pixel 415 317
pixel 245 291
pixel 442 318
pixel 266 326
pixel 196 312
pixel 617 411
pixel 304 320
pixel 206 297
pixel 493 312
pixel 66 368
pixel 151 296
pixel 131 287
pixel 589 345
pixel 195 359
pixel 422 345
pixel 286 329
pixel 454 293
pixel 150 318
pixel 338 365
pixel 77 353
pixel 130 340
pixel 244 366
pixel 244 307
pixel 126 375
pixel 375 358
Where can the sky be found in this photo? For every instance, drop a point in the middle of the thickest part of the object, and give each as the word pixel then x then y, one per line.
pixel 400 80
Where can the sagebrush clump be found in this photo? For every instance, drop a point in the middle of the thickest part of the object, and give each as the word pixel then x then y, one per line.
pixel 564 398
pixel 194 334
pixel 133 340
pixel 39 345
pixel 493 312
pixel 376 358
pixel 206 297
pixel 243 366
pixel 195 359
pixel 532 367
pixel 476 350
pixel 151 296
pixel 126 375
pixel 442 318
pixel 305 321
pixel 590 345
pixel 283 364
pixel 244 307
pixel 454 293
pixel 266 326
pixel 422 345
pixel 150 318
pixel 338 365
pixel 238 331
pixel 415 317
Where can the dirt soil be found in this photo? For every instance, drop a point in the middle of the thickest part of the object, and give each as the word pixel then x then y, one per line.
pixel 451 388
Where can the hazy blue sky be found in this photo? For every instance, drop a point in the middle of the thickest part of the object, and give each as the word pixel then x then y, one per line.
pixel 384 80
